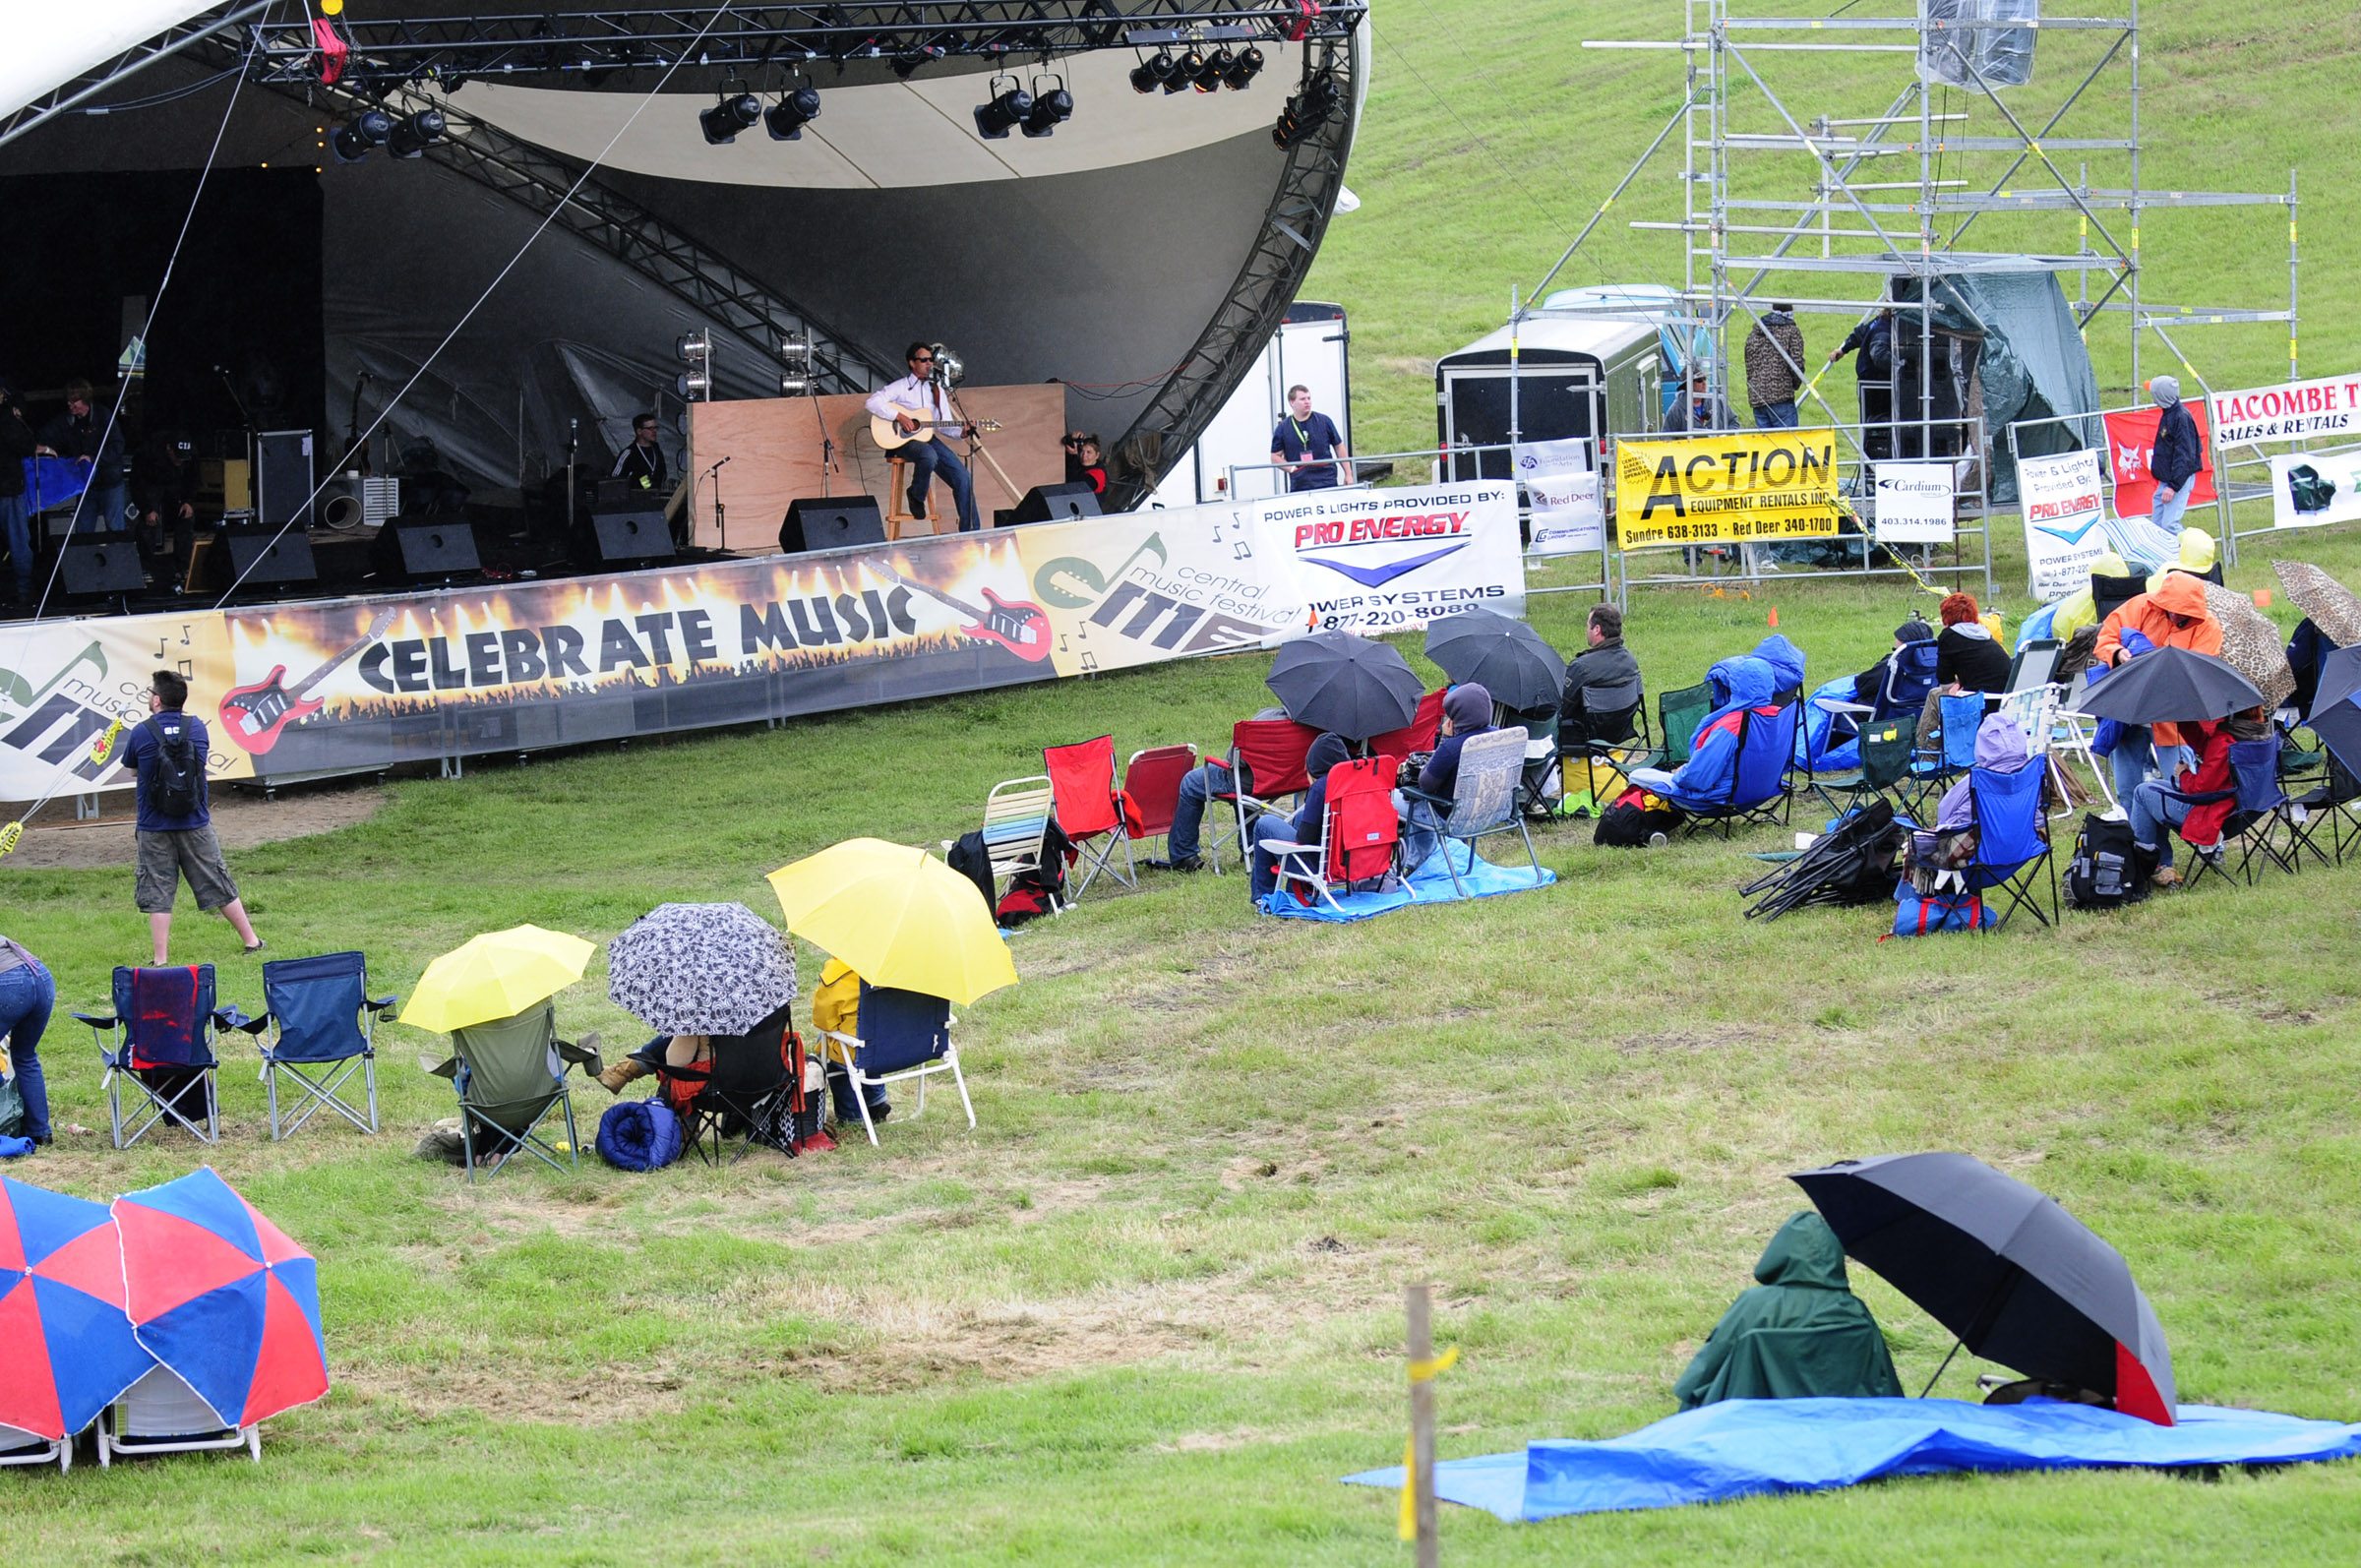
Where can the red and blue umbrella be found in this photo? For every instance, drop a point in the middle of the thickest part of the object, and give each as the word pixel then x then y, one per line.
pixel 66 1347
pixel 220 1295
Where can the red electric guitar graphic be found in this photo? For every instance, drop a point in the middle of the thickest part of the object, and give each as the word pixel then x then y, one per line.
pixel 1022 629
pixel 255 714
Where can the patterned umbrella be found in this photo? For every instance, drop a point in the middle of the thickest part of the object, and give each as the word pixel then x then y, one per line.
pixel 702 969
pixel 2251 644
pixel 66 1349
pixel 220 1295
pixel 2333 607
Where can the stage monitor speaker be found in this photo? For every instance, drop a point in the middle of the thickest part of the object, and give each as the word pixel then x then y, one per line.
pixel 1056 503
pixel 618 538
pixel 264 558
pixel 816 523
pixel 425 547
pixel 284 478
pixel 96 568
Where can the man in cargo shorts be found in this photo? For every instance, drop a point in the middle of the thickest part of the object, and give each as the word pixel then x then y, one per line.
pixel 176 836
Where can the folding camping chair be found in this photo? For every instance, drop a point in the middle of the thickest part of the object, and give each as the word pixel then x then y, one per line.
pixel 1359 832
pixel 20 1447
pixel 162 1414
pixel 1017 830
pixel 510 1077
pixel 1152 784
pixel 1090 808
pixel 2034 666
pixel 1418 735
pixel 1758 781
pixel 1269 755
pixel 904 1035
pixel 162 1028
pixel 2261 812
pixel 1616 735
pixel 2333 802
pixel 1887 747
pixel 324 1030
pixel 1950 751
pixel 1678 715
pixel 1483 801
pixel 717 1099
pixel 1541 783
pixel 2012 842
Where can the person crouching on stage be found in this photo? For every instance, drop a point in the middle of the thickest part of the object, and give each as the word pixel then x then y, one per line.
pixel 916 402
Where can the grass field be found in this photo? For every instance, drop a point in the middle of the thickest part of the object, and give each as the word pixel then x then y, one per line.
pixel 1150 1309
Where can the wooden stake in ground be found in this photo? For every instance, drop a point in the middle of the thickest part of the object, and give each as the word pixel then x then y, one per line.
pixel 1420 1483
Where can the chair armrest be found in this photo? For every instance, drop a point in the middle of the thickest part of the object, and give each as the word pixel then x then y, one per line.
pixel 98 1020
pixel 449 1068
pixel 233 1017
pixel 583 1055
pixel 380 1005
pixel 1411 792
pixel 1280 847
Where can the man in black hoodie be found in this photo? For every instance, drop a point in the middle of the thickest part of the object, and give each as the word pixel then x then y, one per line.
pixel 17 443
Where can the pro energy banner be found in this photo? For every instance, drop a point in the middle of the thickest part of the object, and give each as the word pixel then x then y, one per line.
pixel 1727 488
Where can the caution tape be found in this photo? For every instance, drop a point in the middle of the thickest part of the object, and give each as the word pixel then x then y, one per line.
pixel 1426 1371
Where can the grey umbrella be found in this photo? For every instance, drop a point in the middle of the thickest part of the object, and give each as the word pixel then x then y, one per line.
pixel 1345 685
pixel 2167 685
pixel 702 969
pixel 2337 707
pixel 1505 656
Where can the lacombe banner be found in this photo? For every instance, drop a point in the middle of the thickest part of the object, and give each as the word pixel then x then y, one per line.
pixel 2294 410
pixel 359 683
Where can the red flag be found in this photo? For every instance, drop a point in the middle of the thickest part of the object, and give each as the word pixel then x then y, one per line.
pixel 2132 441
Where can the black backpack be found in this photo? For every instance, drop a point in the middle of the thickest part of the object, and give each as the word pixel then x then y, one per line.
pixel 179 788
pixel 2106 871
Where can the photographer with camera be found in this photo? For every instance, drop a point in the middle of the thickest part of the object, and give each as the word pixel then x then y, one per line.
pixel 1083 462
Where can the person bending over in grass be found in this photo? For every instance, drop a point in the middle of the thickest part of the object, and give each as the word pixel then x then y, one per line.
pixel 1799 1333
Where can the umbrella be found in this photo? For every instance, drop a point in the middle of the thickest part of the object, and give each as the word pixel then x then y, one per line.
pixel 2337 707
pixel 219 1294
pixel 2251 644
pixel 2168 686
pixel 497 975
pixel 1345 685
pixel 702 969
pixel 1506 657
pixel 899 916
pixel 2001 1265
pixel 2333 607
pixel 66 1349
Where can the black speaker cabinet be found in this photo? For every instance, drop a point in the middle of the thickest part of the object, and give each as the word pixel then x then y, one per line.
pixel 1056 503
pixel 823 523
pixel 425 547
pixel 263 558
pixel 94 568
pixel 619 538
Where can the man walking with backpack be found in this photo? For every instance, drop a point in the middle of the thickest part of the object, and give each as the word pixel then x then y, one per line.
pixel 175 829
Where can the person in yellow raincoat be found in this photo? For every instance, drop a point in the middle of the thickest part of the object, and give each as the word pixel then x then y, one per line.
pixel 837 1010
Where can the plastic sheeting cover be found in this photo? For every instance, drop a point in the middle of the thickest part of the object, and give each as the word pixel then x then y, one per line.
pixel 2002 56
pixel 2033 363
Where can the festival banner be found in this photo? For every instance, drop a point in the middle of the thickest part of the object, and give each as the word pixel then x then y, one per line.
pixel 2309 489
pixel 1562 493
pixel 2131 445
pixel 64 681
pixel 1916 503
pixel 1727 486
pixel 2064 521
pixel 1377 561
pixel 2293 411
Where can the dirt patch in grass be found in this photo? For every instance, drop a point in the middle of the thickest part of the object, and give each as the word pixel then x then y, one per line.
pixel 501 1388
pixel 55 841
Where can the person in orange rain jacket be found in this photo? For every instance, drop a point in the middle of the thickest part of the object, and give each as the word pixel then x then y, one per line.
pixel 2173 615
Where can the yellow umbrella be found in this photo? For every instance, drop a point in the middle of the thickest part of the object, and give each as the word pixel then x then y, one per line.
pixel 899 916
pixel 495 975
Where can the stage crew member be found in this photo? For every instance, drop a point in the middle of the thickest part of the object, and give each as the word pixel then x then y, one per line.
pixel 917 401
pixel 642 461
pixel 1309 446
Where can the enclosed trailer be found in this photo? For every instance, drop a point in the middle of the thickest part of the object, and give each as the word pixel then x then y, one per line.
pixel 1588 362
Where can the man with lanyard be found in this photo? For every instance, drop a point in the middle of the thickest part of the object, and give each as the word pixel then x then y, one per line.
pixel 1309 446
pixel 916 402
pixel 642 461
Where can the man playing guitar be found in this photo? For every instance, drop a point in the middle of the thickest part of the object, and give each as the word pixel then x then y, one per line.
pixel 917 401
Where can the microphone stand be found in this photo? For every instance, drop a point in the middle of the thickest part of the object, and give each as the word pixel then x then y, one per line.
pixel 573 438
pixel 720 517
pixel 246 426
pixel 827 440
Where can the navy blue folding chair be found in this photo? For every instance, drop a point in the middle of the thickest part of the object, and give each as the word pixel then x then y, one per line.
pixel 904 1035
pixel 2012 842
pixel 322 1028
pixel 159 1043
pixel 1758 785
pixel 2262 815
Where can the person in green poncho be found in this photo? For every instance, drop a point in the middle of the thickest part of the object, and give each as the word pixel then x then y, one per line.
pixel 1798 1333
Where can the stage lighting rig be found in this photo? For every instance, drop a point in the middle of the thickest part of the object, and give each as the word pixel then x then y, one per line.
pixel 357 136
pixel 1185 73
pixel 1213 71
pixel 697 353
pixel 416 134
pixel 907 64
pixel 1153 72
pixel 1004 112
pixel 1244 66
pixel 1051 109
pixel 785 120
pixel 732 113
pixel 1311 106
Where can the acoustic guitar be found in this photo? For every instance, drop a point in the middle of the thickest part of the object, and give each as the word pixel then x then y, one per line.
pixel 890 434
pixel 255 714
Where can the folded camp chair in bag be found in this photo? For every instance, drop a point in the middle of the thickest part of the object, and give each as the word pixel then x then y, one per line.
pixel 162 1414
pixel 510 1075
pixel 1758 778
pixel 1418 735
pixel 2261 815
pixel 1483 801
pixel 2012 843
pixel 1152 784
pixel 1359 831
pixel 1091 808
pixel 717 1099
pixel 323 1025
pixel 1269 756
pixel 904 1035
pixel 1850 863
pixel 163 1046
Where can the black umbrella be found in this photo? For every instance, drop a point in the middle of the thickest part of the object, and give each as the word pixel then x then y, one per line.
pixel 1506 657
pixel 1345 685
pixel 2017 1277
pixel 2337 707
pixel 2167 685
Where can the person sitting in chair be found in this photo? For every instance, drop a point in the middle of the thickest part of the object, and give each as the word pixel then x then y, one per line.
pixel 1799 1333
pixel 1739 686
pixel 2198 801
pixel 1304 827
pixel 1467 713
pixel 836 1010
pixel 1606 663
pixel 1198 786
pixel 2000 745
pixel 1887 683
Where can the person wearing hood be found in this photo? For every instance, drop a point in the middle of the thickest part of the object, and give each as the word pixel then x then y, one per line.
pixel 1899 682
pixel 1786 666
pixel 1774 368
pixel 2195 553
pixel 1740 687
pixel 1799 1333
pixel 1304 827
pixel 2001 748
pixel 1467 713
pixel 2173 615
pixel 2178 454
pixel 2198 802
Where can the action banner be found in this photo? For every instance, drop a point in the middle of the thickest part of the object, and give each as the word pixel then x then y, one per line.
pixel 2131 445
pixel 1727 486
pixel 2311 488
pixel 1561 489
pixel 63 681
pixel 1916 503
pixel 2064 517
pixel 2293 411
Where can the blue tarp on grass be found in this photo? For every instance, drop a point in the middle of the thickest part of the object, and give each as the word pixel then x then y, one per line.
pixel 1430 884
pixel 1741 1448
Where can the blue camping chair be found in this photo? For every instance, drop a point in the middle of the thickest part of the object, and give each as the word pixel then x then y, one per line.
pixel 2262 817
pixel 904 1035
pixel 323 1025
pixel 160 1041
pixel 1950 752
pixel 1758 789
pixel 1909 676
pixel 2012 842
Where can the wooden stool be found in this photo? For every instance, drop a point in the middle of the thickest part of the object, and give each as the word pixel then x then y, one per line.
pixel 897 498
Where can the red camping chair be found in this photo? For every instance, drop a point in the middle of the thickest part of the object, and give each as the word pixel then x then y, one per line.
pixel 1358 834
pixel 1152 784
pixel 1090 808
pixel 1418 735
pixel 1272 750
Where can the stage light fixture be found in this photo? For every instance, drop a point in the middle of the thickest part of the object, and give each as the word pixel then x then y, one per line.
pixel 1244 68
pixel 794 385
pixel 785 120
pixel 1153 72
pixel 1004 112
pixel 1051 109
pixel 1306 111
pixel 416 134
pixel 694 348
pixel 695 385
pixel 1209 75
pixel 368 129
pixel 735 112
pixel 795 349
pixel 1185 71
pixel 907 63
